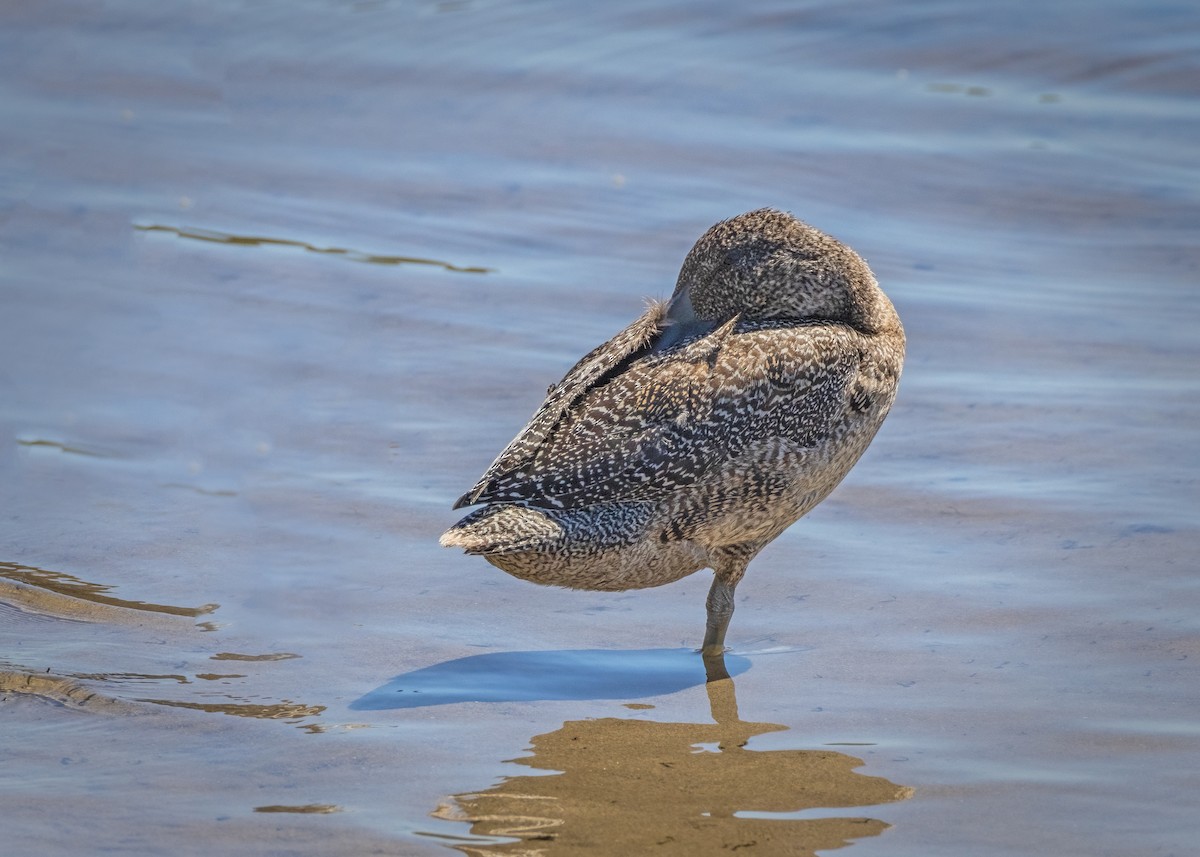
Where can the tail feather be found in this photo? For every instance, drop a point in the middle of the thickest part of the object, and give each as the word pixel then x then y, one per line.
pixel 501 528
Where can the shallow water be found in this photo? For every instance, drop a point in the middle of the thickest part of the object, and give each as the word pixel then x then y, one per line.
pixel 277 285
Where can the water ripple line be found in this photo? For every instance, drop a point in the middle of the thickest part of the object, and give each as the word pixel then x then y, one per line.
pixel 217 237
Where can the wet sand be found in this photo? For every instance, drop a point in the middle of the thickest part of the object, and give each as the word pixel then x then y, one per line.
pixel 276 288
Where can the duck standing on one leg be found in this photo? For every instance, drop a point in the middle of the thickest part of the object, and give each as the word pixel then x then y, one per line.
pixel 703 430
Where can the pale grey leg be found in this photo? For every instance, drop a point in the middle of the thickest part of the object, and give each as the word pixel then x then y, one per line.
pixel 727 572
pixel 720 611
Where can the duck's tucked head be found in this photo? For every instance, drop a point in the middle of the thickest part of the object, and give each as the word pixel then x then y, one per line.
pixel 767 264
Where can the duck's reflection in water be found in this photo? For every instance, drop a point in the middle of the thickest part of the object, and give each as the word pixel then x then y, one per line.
pixel 627 786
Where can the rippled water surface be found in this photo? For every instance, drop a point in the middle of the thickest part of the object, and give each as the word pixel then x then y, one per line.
pixel 277 281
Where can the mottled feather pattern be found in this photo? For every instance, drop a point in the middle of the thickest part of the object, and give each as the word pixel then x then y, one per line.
pixel 591 368
pixel 663 422
pixel 704 429
pixel 597 547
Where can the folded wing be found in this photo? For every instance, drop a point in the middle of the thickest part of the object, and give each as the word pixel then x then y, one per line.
pixel 629 423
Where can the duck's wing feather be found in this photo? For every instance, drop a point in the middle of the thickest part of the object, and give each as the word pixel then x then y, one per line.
pixel 630 425
pixel 584 376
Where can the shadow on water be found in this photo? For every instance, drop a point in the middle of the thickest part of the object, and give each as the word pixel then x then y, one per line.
pixel 635 786
pixel 532 676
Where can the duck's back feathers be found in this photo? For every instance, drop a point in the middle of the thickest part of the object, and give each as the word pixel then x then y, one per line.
pixel 630 422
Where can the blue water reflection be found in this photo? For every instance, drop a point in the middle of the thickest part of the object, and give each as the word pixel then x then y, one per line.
pixel 534 676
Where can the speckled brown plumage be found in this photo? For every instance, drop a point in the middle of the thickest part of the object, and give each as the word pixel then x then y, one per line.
pixel 703 430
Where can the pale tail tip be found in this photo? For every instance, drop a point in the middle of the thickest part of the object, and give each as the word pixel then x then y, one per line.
pixel 461 537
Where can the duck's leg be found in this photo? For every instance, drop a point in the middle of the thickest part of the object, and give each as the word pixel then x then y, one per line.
pixel 720 611
pixel 727 572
